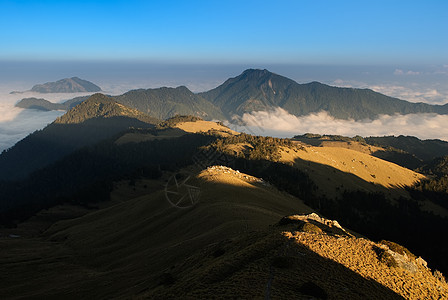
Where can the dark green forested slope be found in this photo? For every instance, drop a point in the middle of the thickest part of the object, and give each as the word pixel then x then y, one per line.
pixel 163 103
pixel 424 149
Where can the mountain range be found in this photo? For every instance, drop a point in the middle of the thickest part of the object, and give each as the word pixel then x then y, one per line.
pixel 256 90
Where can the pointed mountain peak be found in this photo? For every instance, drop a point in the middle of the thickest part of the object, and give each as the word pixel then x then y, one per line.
pixel 98 97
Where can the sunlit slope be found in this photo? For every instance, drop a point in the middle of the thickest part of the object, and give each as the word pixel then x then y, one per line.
pixel 301 257
pixel 175 130
pixel 316 160
pixel 205 126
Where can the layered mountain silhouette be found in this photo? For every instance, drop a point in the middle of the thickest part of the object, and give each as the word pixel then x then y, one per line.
pixel 261 90
pixel 95 119
pixel 45 105
pixel 66 85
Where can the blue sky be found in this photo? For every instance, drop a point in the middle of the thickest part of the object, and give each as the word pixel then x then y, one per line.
pixel 300 32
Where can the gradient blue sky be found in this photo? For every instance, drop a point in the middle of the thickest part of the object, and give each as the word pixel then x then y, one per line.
pixel 308 31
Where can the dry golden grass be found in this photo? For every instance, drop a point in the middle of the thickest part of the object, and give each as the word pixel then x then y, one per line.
pixel 352 145
pixel 357 254
pixel 364 166
pixel 367 149
pixel 335 169
pixel 294 265
pixel 227 246
pixel 123 249
pixel 205 126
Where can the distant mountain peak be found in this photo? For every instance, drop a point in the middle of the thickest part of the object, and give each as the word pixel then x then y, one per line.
pixel 66 85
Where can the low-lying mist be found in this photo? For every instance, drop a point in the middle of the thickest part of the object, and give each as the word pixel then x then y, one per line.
pixel 280 123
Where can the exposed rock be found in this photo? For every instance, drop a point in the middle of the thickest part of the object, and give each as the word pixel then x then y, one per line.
pixel 331 226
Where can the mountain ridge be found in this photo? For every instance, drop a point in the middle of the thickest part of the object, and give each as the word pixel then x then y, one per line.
pixel 257 89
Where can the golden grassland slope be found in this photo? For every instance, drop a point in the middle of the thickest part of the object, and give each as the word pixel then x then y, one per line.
pixel 352 145
pixel 205 126
pixel 368 149
pixel 356 170
pixel 179 129
pixel 358 255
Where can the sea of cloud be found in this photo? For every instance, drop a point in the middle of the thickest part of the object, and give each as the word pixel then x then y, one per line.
pixel 280 123
pixel 16 123
pixel 413 84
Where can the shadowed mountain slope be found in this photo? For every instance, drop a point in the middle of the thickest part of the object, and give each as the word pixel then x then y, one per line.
pixel 425 150
pixel 95 119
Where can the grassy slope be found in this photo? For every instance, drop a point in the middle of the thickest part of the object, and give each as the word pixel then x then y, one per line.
pixel 125 248
pixel 205 126
pixel 225 246
pixel 362 165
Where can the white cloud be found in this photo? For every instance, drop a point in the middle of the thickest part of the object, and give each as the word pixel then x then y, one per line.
pixel 401 72
pixel 413 94
pixel 282 124
pixel 22 123
pixel 339 82
pixel 16 123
